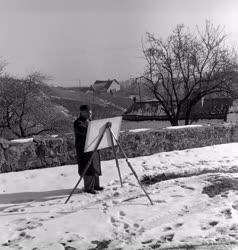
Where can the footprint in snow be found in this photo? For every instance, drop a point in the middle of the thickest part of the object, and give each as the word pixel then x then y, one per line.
pixel 233 235
pixel 145 167
pixel 67 247
pixel 122 214
pixel 113 220
pixel 23 225
pixel 224 195
pixel 183 211
pixel 136 225
pixel 213 223
pixel 12 210
pixel 63 175
pixel 123 229
pixel 147 242
pixel 24 235
pixel 131 184
pixel 69 238
pixel 115 202
pixel 235 205
pixel 113 182
pixel 167 238
pixel 227 213
pixel 178 225
pixel 177 195
pixel 126 225
pixel 209 225
pixel 187 187
pixel 17 221
pixel 105 207
pixel 21 236
pixel 167 229
pixel 234 227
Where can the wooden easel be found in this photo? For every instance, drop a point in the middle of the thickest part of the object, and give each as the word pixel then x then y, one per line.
pixel 112 136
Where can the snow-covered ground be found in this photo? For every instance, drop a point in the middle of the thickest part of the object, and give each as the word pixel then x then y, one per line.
pixel 33 214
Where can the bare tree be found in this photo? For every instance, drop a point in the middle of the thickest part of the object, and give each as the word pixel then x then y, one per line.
pixel 24 109
pixel 186 67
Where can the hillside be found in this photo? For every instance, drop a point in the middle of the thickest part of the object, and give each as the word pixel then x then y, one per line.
pixel 99 111
pixel 121 100
pixel 103 105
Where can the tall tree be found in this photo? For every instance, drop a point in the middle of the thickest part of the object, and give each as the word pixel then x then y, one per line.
pixel 187 66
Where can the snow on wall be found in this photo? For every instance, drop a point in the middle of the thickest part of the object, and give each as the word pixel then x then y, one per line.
pixel 50 151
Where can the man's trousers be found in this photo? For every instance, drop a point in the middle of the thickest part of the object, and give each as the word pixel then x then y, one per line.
pixel 90 182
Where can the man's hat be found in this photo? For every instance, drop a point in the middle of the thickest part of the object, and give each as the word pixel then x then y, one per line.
pixel 85 108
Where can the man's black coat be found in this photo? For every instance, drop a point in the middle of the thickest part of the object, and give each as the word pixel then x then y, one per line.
pixel 80 130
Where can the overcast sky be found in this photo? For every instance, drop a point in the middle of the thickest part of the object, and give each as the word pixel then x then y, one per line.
pixel 96 39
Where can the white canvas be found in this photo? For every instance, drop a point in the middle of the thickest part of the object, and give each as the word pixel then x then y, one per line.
pixel 95 129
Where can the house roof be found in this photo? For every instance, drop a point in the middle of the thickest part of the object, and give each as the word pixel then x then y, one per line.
pixel 105 84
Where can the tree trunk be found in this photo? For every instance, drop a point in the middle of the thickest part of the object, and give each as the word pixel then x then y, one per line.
pixel 187 117
pixel 22 131
pixel 174 122
pixel 188 113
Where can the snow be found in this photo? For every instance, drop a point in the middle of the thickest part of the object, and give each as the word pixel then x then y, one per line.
pixel 22 140
pixel 54 136
pixel 27 139
pixel 185 126
pixel 139 130
pixel 33 214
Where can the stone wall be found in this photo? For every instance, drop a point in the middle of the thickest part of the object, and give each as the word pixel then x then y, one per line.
pixel 49 151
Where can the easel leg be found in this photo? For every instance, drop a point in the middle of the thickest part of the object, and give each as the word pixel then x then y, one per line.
pixel 115 156
pixel 130 166
pixel 74 189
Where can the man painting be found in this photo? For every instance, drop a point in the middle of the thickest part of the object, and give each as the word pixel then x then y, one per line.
pixel 91 177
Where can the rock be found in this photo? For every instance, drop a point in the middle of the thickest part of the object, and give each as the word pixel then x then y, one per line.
pixel 4 144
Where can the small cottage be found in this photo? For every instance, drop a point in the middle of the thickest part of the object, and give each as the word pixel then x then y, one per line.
pixel 109 86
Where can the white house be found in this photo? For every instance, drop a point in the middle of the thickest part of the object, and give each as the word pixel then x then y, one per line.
pixel 109 86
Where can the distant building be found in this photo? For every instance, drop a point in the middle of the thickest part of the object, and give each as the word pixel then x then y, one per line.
pixel 212 108
pixel 109 86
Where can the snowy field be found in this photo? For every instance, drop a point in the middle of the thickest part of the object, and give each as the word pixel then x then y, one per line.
pixel 196 206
